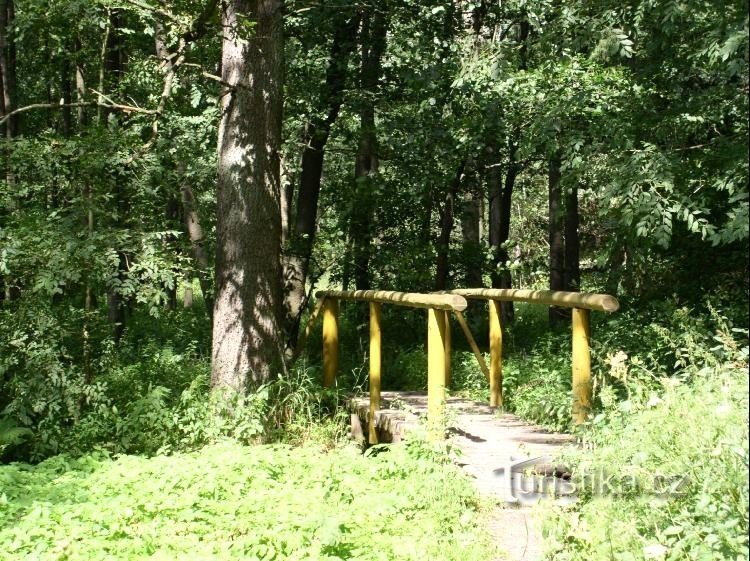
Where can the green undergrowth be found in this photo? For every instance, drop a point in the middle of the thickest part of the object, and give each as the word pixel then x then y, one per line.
pixel 664 471
pixel 229 501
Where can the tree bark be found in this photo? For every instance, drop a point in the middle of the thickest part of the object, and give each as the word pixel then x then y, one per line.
pixel 194 233
pixel 297 261
pixel 374 29
pixel 556 240
pixel 172 216
pixel 572 244
pixel 67 95
pixel 80 85
pixel 442 270
pixel 8 66
pixel 11 287
pixel 247 322
pixel 471 216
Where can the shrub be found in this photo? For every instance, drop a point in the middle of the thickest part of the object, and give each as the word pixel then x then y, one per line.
pixel 691 429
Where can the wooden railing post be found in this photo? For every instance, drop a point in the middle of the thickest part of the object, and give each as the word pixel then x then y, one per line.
pixel 435 373
pixel 330 341
pixel 448 349
pixel 581 365
pixel 496 355
pixel 375 365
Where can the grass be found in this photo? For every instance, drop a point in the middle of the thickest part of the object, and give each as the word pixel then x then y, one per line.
pixel 228 501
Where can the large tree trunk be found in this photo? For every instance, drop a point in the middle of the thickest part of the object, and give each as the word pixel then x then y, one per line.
pixel 442 271
pixel 247 323
pixel 556 240
pixel 374 29
pixel 572 244
pixel 297 262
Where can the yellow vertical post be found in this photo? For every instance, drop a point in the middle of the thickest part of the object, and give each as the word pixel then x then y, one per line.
pixel 448 349
pixel 435 373
pixel 330 341
pixel 496 355
pixel 375 364
pixel 581 365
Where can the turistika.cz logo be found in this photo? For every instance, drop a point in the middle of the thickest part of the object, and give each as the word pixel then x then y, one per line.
pixel 530 480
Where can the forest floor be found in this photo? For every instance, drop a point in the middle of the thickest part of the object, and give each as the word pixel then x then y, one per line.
pixel 485 446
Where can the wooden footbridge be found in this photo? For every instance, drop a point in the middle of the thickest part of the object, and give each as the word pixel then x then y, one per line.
pixel 490 442
pixel 391 424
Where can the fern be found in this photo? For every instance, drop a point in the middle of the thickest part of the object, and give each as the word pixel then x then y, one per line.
pixel 11 434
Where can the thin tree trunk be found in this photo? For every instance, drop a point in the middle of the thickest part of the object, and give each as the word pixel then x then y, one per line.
pixel 8 82
pixel 471 215
pixel 442 271
pixel 111 61
pixel 572 244
pixel 80 85
pixel 556 240
pixel 297 262
pixel 8 66
pixel 67 95
pixel 374 29
pixel 171 215
pixel 615 267
pixel 195 235
pixel 247 323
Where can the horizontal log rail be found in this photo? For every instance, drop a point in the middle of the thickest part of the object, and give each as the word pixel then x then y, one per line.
pixel 439 308
pixel 560 298
pixel 582 304
pixel 410 299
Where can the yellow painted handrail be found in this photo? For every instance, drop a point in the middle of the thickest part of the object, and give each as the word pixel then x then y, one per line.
pixel 582 304
pixel 439 307
pixel 561 298
pixel 411 299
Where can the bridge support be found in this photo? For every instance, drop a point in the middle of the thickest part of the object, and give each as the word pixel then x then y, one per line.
pixel 581 365
pixel 375 365
pixel 496 354
pixel 330 341
pixel 436 373
pixel 448 349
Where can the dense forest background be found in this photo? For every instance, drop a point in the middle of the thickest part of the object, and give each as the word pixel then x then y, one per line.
pixel 180 176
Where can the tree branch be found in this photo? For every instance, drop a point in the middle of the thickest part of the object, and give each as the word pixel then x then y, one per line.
pixel 116 106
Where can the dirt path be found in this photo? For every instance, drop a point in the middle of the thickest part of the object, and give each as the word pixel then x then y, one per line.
pixel 488 444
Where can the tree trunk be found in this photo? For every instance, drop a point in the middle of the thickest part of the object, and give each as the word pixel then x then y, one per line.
pixel 572 244
pixel 297 262
pixel 247 321
pixel 442 271
pixel 471 216
pixel 67 95
pixel 112 61
pixel 172 216
pixel 80 85
pixel 8 83
pixel 194 233
pixel 556 240
pixel 8 66
pixel 374 29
